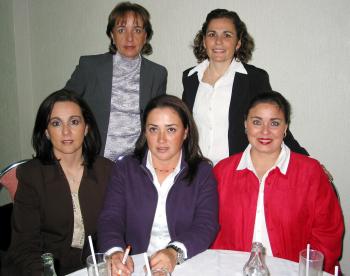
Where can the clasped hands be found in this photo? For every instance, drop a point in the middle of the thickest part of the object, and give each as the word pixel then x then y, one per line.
pixel 162 259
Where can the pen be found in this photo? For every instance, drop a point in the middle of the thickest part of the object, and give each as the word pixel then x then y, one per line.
pixel 126 254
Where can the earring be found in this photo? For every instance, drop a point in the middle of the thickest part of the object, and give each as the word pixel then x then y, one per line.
pixel 245 130
pixel 285 134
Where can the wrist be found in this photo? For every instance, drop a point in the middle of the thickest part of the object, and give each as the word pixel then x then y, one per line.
pixel 113 250
pixel 179 254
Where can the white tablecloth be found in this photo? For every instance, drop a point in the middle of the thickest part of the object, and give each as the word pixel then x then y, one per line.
pixel 218 263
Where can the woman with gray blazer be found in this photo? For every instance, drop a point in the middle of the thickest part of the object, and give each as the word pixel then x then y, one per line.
pixel 118 85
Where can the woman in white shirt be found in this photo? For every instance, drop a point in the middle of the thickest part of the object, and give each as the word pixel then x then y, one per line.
pixel 220 87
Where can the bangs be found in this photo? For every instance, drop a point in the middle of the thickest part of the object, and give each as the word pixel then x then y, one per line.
pixel 121 19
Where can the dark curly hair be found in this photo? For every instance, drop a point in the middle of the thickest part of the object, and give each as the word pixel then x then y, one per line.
pixel 243 54
pixel 191 150
pixel 43 146
pixel 119 12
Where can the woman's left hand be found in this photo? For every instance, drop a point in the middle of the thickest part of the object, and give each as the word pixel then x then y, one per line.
pixel 165 258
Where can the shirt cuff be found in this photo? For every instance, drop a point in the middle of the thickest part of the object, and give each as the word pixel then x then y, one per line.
pixel 109 252
pixel 181 246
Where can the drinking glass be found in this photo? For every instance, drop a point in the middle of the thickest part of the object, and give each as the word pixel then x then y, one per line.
pixel 315 263
pixel 101 265
pixel 159 272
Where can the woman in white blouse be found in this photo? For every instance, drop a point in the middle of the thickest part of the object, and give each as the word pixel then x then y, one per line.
pixel 220 87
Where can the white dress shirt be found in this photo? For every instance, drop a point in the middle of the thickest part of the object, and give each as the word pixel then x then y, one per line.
pixel 160 236
pixel 211 110
pixel 260 230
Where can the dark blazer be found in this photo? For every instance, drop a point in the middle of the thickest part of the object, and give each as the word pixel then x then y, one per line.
pixel 92 79
pixel 131 202
pixel 43 215
pixel 245 87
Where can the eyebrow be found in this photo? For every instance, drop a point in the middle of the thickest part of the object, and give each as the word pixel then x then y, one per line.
pixel 169 125
pixel 272 119
pixel 124 26
pixel 71 117
pixel 224 31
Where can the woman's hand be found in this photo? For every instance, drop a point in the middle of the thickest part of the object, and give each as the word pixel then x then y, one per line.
pixel 165 258
pixel 116 264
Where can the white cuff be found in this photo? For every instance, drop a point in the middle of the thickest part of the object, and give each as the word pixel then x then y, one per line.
pixel 109 252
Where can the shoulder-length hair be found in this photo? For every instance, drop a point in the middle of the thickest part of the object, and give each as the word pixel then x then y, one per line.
pixel 43 146
pixel 119 12
pixel 243 54
pixel 191 151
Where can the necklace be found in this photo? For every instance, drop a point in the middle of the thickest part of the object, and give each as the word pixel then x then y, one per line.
pixel 164 171
pixel 72 180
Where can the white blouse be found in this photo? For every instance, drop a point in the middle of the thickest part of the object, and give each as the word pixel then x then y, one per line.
pixel 211 110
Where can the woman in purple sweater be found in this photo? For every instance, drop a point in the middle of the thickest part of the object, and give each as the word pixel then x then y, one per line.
pixel 163 199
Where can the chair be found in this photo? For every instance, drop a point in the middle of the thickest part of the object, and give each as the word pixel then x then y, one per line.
pixel 8 177
pixel 8 180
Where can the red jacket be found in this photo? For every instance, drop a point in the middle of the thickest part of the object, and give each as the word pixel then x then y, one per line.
pixel 300 207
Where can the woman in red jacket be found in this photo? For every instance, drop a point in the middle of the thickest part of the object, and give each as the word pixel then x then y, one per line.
pixel 272 195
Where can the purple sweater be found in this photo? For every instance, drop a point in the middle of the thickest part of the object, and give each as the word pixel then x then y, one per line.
pixel 131 201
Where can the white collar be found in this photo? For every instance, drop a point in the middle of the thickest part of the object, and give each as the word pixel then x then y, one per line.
pixel 235 66
pixel 282 160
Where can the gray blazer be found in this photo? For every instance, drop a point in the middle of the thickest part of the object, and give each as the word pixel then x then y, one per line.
pixel 92 79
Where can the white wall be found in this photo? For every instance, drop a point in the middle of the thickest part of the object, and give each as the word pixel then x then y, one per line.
pixel 304 45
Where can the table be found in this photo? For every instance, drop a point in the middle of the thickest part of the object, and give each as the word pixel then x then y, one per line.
pixel 218 263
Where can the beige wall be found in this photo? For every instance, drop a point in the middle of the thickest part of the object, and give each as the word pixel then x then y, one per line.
pixel 9 139
pixel 304 45
pixel 9 126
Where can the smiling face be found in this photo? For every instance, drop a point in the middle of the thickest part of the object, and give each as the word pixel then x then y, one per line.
pixel 129 35
pixel 165 134
pixel 66 129
pixel 221 41
pixel 266 125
